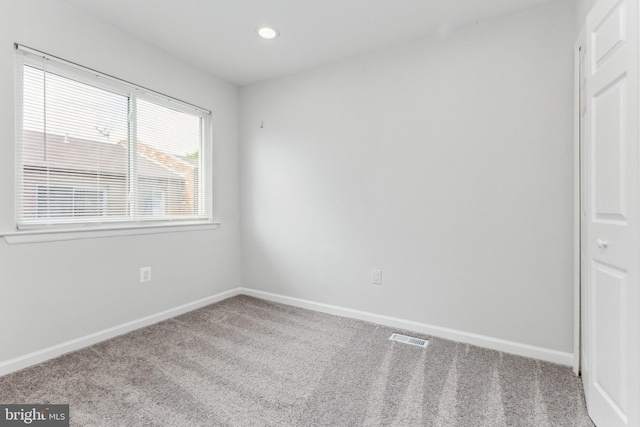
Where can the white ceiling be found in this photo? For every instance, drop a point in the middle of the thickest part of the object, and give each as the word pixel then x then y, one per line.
pixel 219 35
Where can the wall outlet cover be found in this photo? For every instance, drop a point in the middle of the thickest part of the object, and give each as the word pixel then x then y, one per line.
pixel 145 274
pixel 376 277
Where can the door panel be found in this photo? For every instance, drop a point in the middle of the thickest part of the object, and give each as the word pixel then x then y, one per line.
pixel 608 122
pixel 609 35
pixel 609 372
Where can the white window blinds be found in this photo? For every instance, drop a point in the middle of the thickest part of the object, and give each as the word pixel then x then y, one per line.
pixel 94 150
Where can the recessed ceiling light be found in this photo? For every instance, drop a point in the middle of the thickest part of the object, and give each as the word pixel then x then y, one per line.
pixel 268 32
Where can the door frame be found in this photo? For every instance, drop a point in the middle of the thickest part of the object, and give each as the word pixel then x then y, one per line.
pixel 577 286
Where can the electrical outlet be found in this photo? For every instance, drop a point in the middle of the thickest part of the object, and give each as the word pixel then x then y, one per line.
pixel 376 277
pixel 145 274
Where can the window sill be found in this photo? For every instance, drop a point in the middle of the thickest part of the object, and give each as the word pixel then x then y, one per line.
pixel 38 236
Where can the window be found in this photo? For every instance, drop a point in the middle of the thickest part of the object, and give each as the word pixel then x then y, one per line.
pixel 95 150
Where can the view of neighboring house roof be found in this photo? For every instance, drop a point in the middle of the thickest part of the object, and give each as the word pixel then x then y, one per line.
pixel 83 155
pixel 166 160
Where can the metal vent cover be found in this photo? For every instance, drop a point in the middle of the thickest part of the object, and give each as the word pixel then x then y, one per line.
pixel 409 340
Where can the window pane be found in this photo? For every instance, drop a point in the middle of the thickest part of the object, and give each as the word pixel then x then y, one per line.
pixel 169 146
pixel 74 149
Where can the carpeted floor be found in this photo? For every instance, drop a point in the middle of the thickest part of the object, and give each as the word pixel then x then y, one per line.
pixel 249 362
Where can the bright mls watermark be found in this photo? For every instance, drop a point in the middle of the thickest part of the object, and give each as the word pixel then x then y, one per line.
pixel 34 415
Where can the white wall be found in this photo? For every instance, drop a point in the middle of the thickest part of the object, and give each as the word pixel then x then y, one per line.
pixel 582 9
pixel 447 163
pixel 54 292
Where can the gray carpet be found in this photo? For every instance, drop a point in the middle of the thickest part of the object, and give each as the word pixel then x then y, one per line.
pixel 249 362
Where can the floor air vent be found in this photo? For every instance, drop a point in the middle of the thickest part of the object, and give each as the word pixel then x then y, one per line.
pixel 409 340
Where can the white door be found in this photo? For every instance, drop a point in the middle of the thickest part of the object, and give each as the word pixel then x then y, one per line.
pixel 610 243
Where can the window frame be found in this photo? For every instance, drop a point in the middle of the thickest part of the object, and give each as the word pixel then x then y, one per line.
pixel 203 193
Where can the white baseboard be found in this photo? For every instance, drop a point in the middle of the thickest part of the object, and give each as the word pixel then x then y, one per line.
pixel 526 350
pixel 512 347
pixel 43 355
